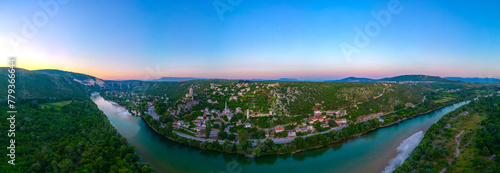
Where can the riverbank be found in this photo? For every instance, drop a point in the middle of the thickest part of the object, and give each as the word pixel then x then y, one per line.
pixel 380 127
pixel 377 128
pixel 427 112
pixel 293 150
pixel 166 155
pixel 459 137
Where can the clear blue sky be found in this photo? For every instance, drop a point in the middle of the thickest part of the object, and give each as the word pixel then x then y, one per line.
pixel 257 39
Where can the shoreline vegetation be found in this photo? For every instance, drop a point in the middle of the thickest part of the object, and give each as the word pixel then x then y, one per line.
pixel 299 144
pixel 68 133
pixel 69 136
pixel 464 140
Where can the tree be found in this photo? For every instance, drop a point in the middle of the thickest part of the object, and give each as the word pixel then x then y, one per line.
pixel 485 151
pixel 284 134
pixel 300 143
pixel 208 129
pixel 242 135
pixel 147 168
pixel 160 108
pixel 256 151
pixel 34 104
pixel 231 137
pixel 168 129
pixel 189 117
pixel 332 123
pixel 222 134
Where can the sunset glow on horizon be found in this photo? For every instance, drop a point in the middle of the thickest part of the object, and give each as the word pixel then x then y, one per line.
pixel 255 39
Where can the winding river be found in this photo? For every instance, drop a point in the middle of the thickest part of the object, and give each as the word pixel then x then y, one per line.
pixel 379 151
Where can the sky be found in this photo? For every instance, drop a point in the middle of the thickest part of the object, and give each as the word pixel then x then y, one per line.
pixel 235 39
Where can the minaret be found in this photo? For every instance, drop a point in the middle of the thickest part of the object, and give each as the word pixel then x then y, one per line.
pixel 248 114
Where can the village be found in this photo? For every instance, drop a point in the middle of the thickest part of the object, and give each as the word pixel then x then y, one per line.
pixel 223 124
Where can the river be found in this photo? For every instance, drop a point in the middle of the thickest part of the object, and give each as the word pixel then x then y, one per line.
pixel 377 151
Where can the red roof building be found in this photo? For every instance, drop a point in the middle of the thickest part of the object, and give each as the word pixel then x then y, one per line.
pixel 279 129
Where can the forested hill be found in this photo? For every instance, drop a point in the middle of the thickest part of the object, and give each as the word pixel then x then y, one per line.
pixel 277 98
pixel 353 79
pixel 59 129
pixel 78 77
pixel 475 80
pixel 55 85
pixel 76 137
pixel 42 86
pixel 176 90
pixel 405 78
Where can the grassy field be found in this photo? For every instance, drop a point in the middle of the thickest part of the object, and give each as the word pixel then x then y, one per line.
pixel 186 132
pixel 444 99
pixel 468 123
pixel 56 105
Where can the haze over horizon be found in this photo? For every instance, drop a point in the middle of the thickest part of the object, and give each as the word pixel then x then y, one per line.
pixel 253 39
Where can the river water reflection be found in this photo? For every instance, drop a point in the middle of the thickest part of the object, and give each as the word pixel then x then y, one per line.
pixel 371 152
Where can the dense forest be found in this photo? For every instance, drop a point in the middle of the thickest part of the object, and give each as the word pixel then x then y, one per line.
pixel 473 130
pixel 76 137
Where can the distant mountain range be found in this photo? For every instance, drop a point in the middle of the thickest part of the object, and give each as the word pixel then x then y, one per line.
pixel 94 81
pixel 288 79
pixel 49 83
pixel 404 78
pixel 175 79
pixel 353 79
pixel 475 79
pixel 401 78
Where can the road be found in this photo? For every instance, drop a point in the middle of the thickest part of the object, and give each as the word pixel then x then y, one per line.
pixel 196 138
pixel 290 139
pixel 457 152
pixel 390 112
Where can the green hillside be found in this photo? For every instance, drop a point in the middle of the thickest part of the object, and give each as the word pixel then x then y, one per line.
pixel 37 85
pixel 175 90
pixel 473 130
pixel 285 98
pixel 417 78
pixel 78 137
pixel 79 76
